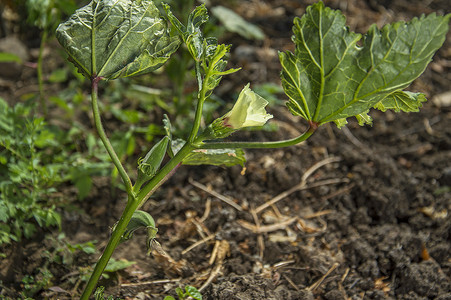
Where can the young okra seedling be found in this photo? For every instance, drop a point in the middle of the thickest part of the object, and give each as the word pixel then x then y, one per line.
pixel 333 74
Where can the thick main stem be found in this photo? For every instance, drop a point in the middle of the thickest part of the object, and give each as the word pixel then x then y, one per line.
pixel 115 238
pixel 104 138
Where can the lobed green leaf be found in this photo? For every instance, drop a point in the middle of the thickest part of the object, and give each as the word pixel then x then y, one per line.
pixel 330 77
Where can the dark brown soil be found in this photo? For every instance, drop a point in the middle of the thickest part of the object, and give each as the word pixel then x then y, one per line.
pixel 370 222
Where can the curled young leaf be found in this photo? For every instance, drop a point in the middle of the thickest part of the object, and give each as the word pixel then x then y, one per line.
pixel 117 38
pixel 191 33
pixel 330 77
pixel 141 219
pixel 206 51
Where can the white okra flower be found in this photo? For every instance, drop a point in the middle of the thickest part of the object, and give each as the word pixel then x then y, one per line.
pixel 249 110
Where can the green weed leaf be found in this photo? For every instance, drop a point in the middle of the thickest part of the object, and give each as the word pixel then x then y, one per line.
pixel 117 265
pixel 331 78
pixel 235 23
pixel 119 38
pixel 193 292
pixel 9 57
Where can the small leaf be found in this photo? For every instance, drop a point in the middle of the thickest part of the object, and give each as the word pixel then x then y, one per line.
pixel 117 38
pixel 167 126
pixel 193 292
pixel 168 129
pixel 330 77
pixel 218 65
pixel 117 265
pixel 235 23
pixel 402 101
pixel 58 75
pixel 180 293
pixel 206 51
pixel 192 33
pixel 364 118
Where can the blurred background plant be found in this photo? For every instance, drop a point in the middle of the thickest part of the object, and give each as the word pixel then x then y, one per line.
pixel 36 158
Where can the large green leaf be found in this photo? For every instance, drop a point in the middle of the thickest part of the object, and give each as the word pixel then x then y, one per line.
pixel 330 77
pixel 117 38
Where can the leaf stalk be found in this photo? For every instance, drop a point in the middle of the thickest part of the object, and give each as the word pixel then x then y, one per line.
pixel 106 142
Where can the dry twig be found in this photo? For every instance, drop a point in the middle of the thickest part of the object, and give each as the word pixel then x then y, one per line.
pixel 320 281
pixel 207 211
pixel 161 281
pixel 198 243
pixel 267 228
pixel 303 184
pixel 260 241
pixel 223 250
pixel 215 194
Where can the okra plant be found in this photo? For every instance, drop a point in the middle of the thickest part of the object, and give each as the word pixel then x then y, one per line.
pixel 334 74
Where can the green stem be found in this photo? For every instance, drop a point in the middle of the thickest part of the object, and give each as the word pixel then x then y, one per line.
pixel 200 104
pixel 39 71
pixel 134 202
pixel 164 173
pixel 259 145
pixel 115 238
pixel 104 138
